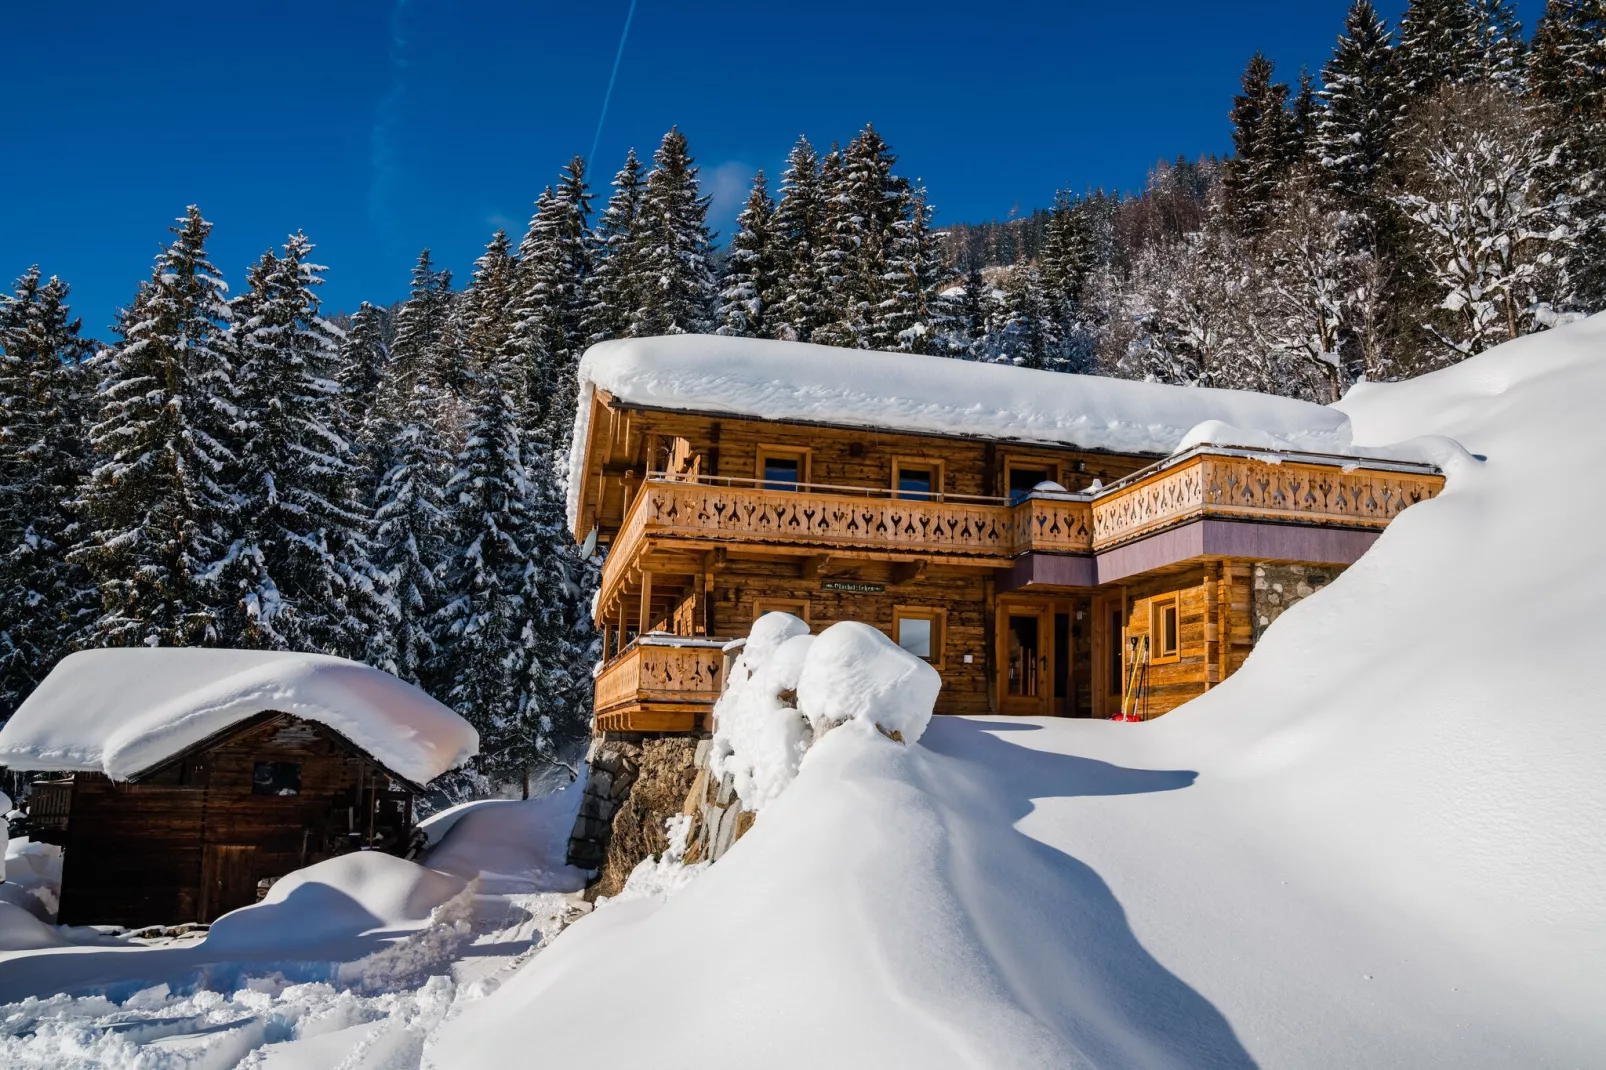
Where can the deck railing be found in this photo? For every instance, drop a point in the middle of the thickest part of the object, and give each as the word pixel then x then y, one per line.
pixel 1208 481
pixel 659 683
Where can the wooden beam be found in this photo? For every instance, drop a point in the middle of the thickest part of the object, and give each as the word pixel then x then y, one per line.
pixel 814 567
pixel 716 559
pixel 908 571
pixel 644 617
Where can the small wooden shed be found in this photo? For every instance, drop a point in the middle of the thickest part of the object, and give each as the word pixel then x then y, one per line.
pixel 179 779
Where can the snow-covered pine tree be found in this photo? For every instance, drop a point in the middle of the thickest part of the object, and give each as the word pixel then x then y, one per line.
pixel 1439 46
pixel 971 313
pixel 1502 51
pixel 554 263
pixel 875 205
pixel 155 502
pixel 799 227
pixel 364 361
pixel 750 283
pixel 45 598
pixel 1305 110
pixel 409 529
pixel 911 318
pixel 1030 333
pixel 481 622
pixel 1567 85
pixel 297 571
pixel 613 290
pixel 1361 108
pixel 676 253
pixel 1265 147
pixel 830 265
pixel 1488 231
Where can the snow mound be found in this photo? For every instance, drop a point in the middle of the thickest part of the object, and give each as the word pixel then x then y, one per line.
pixel 20 930
pixel 787 689
pixel 123 711
pixel 796 381
pixel 855 673
pixel 510 846
pixel 336 899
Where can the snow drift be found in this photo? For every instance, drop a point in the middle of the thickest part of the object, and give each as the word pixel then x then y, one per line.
pixel 123 711
pixel 1377 844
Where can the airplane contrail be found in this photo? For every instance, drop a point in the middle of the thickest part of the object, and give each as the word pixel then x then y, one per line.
pixel 617 56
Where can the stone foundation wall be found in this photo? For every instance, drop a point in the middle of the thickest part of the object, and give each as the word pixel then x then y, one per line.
pixel 635 784
pixel 1276 587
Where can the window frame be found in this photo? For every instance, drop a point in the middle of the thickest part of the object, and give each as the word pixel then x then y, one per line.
pixel 803 455
pixel 938 616
pixel 1158 606
pixel 1052 469
pixel 277 766
pixel 939 477
pixel 762 606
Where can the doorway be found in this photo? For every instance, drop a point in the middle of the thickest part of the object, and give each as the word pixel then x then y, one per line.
pixel 1027 676
pixel 228 879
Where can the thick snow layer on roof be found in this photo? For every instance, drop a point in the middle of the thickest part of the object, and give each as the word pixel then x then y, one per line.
pixel 928 395
pixel 1377 844
pixel 123 711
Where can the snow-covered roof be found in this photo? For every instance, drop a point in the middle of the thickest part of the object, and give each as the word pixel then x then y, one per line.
pixel 927 395
pixel 123 711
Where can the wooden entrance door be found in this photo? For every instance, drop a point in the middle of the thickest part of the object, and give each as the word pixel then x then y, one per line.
pixel 228 879
pixel 1025 657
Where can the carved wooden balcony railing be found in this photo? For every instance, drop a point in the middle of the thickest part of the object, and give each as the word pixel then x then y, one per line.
pixel 660 684
pixel 1257 486
pixel 1209 482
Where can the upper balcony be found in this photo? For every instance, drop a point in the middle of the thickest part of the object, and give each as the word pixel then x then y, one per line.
pixel 701 513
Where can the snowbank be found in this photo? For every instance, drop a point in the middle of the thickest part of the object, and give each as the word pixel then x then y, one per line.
pixel 926 395
pixel 1378 844
pixel 123 711
pixel 335 899
pixel 509 846
pixel 788 688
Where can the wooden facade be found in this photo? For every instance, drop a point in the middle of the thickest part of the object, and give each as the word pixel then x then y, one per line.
pixel 191 838
pixel 1127 594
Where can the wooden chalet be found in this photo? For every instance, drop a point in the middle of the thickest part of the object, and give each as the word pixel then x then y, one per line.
pixel 1037 559
pixel 170 830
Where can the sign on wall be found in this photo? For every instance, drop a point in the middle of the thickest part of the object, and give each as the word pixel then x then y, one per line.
pixel 852 587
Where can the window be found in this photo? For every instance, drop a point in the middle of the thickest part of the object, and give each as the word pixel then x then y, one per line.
pixel 1022 478
pixel 798 607
pixel 916 478
pixel 276 778
pixel 1164 629
pixel 782 467
pixel 920 631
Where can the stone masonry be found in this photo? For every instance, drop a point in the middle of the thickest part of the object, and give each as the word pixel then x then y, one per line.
pixel 1277 587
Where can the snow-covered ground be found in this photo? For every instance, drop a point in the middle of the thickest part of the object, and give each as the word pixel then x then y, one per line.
pixel 1377 845
pixel 352 962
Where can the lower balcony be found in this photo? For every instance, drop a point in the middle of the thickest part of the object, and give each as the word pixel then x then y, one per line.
pixel 660 683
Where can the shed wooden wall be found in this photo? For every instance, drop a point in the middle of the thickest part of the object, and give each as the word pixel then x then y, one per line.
pixel 135 853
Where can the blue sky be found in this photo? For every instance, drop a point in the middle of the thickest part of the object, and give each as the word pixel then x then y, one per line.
pixel 380 128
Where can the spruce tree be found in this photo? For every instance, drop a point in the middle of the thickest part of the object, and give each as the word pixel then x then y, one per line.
pixel 296 573
pixel 364 359
pixel 409 528
pixel 555 262
pixel 833 313
pixel 481 622
pixel 1439 46
pixel 799 228
pixel 613 290
pixel 1361 108
pixel 750 283
pixel 1502 52
pixel 1030 332
pixel 156 502
pixel 1265 145
pixel 1567 86
pixel 676 252
pixel 45 598
pixel 911 318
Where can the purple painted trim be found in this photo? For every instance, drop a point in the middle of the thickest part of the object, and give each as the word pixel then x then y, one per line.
pixel 1198 538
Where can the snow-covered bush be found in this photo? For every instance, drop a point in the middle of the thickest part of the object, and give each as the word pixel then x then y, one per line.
pixel 789 688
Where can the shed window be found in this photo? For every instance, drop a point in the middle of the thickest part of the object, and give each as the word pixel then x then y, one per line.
pixel 1023 478
pixel 276 778
pixel 917 478
pixel 920 631
pixel 1164 627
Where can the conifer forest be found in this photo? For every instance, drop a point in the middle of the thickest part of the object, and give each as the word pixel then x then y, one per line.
pixel 235 465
